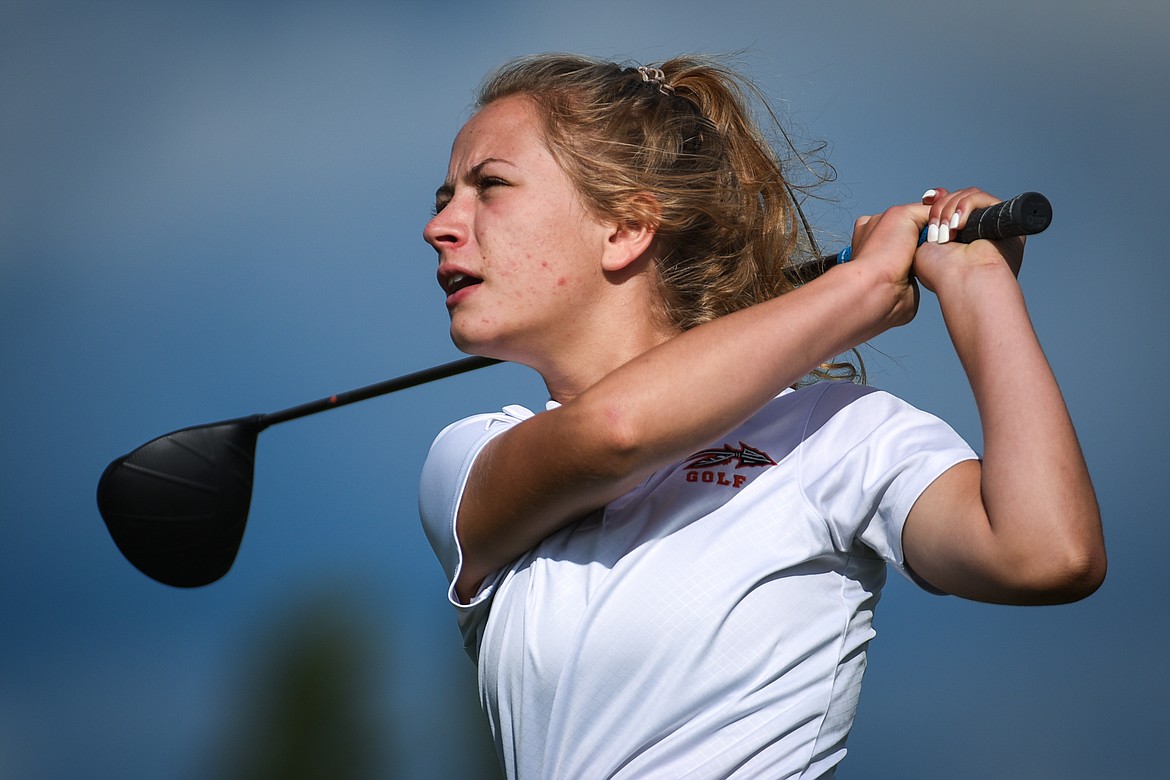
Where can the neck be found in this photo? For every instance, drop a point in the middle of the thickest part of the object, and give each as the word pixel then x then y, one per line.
pixel 599 337
pixel 614 324
pixel 571 371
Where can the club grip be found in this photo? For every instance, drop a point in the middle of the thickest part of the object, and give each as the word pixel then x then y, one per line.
pixel 1023 215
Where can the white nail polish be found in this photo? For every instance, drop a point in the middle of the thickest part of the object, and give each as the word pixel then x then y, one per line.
pixel 929 194
pixel 955 221
pixel 944 233
pixel 932 233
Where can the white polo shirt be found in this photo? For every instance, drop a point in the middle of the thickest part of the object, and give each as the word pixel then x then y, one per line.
pixel 713 621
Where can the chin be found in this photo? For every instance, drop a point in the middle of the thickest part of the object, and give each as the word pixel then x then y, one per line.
pixel 483 346
pixel 474 344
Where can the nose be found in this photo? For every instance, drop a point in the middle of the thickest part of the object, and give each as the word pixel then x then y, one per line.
pixel 447 229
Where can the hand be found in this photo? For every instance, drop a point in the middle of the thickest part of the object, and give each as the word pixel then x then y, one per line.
pixel 939 258
pixel 884 245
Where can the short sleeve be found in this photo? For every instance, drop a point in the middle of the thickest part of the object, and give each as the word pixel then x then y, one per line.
pixel 868 457
pixel 444 478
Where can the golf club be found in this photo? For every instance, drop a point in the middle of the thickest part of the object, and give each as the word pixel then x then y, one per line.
pixel 176 506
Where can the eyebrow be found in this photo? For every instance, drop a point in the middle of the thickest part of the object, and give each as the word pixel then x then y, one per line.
pixel 447 190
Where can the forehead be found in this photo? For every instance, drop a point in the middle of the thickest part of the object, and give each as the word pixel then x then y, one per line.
pixel 506 128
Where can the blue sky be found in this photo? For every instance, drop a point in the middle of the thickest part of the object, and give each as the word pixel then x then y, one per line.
pixel 211 209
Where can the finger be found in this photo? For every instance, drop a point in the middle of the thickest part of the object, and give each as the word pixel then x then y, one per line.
pixel 933 198
pixel 862 227
pixel 953 212
pixel 931 195
pixel 942 212
pixel 950 213
pixel 894 232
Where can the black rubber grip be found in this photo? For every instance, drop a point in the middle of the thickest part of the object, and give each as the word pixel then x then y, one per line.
pixel 1023 215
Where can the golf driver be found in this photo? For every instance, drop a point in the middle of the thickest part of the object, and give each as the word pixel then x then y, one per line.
pixel 176 506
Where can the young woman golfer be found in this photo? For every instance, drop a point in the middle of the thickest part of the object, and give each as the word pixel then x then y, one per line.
pixel 671 571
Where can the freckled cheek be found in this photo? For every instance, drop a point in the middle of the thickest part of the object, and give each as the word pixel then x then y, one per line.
pixel 560 280
pixel 535 262
pixel 542 271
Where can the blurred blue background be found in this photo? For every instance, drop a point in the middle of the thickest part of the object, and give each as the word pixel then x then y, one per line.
pixel 211 209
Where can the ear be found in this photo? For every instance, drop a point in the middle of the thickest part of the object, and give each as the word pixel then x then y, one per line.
pixel 627 242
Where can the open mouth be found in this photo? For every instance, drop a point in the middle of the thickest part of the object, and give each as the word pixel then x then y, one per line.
pixel 457 282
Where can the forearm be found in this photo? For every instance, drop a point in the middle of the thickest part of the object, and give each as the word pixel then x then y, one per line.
pixel 731 367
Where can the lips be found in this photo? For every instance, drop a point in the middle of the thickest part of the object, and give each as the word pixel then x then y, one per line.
pixel 457 281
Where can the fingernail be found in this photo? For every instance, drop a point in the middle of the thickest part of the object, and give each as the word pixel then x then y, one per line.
pixel 955 221
pixel 929 194
pixel 944 233
pixel 932 233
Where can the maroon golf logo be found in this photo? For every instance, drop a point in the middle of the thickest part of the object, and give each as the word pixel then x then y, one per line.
pixel 704 466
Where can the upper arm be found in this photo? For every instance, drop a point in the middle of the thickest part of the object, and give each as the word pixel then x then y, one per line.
pixel 950 541
pixel 942 538
pixel 535 479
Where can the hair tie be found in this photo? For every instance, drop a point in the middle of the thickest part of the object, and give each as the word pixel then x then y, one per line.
pixel 657 77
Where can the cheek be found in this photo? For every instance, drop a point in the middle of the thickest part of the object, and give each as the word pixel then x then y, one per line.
pixel 539 256
pixel 540 266
pixel 559 274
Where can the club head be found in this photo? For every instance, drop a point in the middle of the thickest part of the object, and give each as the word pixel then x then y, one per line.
pixel 176 506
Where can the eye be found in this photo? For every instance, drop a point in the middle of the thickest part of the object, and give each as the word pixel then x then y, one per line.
pixel 443 196
pixel 488 182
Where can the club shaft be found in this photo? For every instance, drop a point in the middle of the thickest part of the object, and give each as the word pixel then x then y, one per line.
pixel 381 388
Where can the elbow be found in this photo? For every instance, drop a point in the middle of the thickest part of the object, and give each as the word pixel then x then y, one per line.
pixel 1083 562
pixel 617 438
pixel 1068 576
pixel 1078 579
pixel 1090 574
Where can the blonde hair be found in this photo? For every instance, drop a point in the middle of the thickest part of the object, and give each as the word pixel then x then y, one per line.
pixel 728 227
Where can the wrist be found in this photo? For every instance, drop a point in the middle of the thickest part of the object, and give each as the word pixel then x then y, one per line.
pixel 873 298
pixel 974 280
pixel 956 267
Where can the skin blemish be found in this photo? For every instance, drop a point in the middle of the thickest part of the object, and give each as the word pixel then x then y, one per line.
pixel 561 282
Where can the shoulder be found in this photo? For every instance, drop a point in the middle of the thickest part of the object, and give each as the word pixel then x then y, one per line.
pixel 800 413
pixel 466 433
pixel 842 428
pixel 456 446
pixel 826 399
pixel 448 463
pixel 839 404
